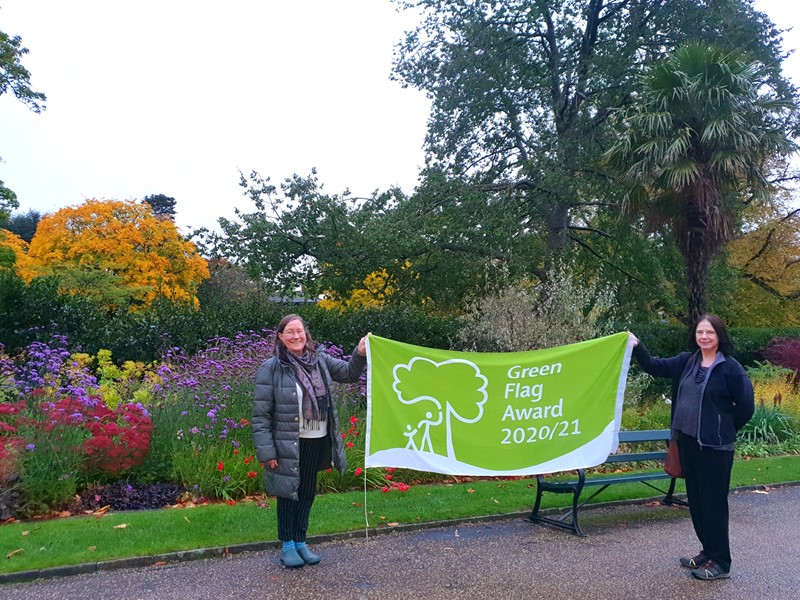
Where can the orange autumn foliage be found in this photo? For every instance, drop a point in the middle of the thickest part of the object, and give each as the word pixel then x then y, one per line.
pixel 123 242
pixel 19 247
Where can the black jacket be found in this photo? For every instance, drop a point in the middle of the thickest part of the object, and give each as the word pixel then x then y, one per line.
pixel 727 402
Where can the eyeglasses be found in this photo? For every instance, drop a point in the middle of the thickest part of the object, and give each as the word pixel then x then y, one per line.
pixel 293 332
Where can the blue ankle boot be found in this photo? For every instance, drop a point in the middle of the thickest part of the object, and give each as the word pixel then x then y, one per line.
pixel 308 556
pixel 290 558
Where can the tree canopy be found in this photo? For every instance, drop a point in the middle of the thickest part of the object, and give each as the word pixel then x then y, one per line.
pixel 117 250
pixel 521 90
pixel 697 143
pixel 522 96
pixel 14 77
pixel 161 205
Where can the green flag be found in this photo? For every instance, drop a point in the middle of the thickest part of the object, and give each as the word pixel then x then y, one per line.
pixel 514 413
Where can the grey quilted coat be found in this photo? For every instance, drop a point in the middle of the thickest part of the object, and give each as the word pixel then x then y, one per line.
pixel 276 419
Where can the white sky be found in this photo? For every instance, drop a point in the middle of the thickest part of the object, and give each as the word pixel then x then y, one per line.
pixel 176 96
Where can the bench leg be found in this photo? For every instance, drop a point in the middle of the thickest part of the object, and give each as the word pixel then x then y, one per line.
pixel 534 516
pixel 670 498
pixel 574 524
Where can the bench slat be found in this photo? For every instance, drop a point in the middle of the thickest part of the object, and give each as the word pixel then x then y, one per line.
pixel 645 435
pixel 637 456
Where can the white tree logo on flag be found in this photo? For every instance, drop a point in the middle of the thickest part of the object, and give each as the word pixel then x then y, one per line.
pixel 437 403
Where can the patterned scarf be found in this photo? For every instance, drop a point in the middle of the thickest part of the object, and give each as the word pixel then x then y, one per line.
pixel 315 393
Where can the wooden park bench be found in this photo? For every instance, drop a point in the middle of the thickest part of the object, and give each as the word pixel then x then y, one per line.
pixel 575 487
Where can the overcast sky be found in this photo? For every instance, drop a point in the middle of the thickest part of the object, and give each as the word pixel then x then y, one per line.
pixel 176 96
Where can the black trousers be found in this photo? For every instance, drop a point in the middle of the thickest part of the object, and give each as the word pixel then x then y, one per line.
pixel 708 479
pixel 293 514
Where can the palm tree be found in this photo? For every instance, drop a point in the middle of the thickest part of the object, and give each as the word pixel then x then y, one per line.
pixel 695 145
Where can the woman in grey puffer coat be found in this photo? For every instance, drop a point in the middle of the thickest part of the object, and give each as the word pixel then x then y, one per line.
pixel 296 428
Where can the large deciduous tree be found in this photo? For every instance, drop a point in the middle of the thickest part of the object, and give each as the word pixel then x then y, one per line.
pixel 697 144
pixel 117 251
pixel 14 77
pixel 437 247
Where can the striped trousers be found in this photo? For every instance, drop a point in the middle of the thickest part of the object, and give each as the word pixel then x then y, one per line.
pixel 293 514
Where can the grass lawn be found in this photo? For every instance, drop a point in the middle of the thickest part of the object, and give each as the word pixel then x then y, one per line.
pixel 39 544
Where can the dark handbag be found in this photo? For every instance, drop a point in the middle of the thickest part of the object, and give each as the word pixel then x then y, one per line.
pixel 672 464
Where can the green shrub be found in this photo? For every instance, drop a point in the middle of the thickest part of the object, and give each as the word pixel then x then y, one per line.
pixel 560 310
pixel 770 425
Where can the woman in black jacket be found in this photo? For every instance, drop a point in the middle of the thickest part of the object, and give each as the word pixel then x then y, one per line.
pixel 712 398
pixel 296 429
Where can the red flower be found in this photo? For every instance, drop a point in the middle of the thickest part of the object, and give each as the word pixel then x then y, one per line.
pixel 388 477
pixel 353 420
pixel 359 470
pixel 390 469
pixel 344 435
pixel 384 489
pixel 236 451
pixel 249 459
pixel 244 422
pixel 220 466
pixel 252 474
pixel 349 444
pixel 232 502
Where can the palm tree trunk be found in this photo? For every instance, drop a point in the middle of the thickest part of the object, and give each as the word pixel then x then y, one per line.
pixel 697 267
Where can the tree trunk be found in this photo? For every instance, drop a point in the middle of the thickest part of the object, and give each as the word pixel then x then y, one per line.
pixel 697 250
pixel 557 224
pixel 697 267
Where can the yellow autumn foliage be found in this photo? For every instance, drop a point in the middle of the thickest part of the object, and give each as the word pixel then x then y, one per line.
pixel 768 258
pixel 376 291
pixel 116 243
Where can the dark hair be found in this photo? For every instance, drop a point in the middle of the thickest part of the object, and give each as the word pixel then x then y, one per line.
pixel 725 343
pixel 280 347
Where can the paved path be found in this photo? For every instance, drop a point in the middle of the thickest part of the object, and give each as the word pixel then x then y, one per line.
pixel 631 552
